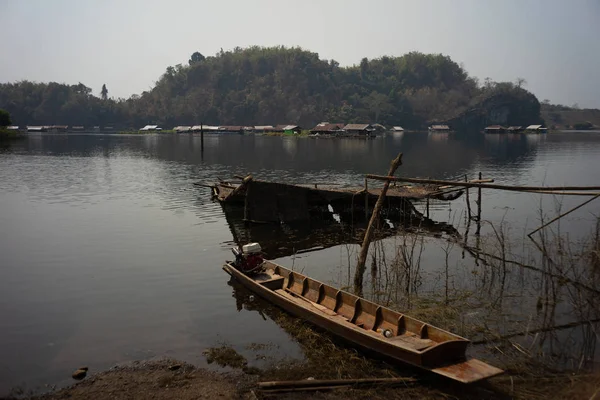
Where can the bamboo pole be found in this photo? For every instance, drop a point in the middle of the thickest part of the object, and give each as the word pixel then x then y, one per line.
pixel 468 200
pixel 235 191
pixel 309 383
pixel 483 185
pixel 563 214
pixel 479 200
pixel 534 331
pixel 202 137
pixel 362 259
pixel 276 392
pixel 479 254
pixel 563 192
pixel 487 180
pixel 366 198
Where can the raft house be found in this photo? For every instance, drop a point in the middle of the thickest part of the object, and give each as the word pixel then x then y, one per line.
pixel 536 129
pixel 326 128
pixel 495 129
pixel 358 130
pixel 149 128
pixel 439 128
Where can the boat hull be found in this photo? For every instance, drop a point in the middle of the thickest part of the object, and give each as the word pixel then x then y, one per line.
pixel 446 359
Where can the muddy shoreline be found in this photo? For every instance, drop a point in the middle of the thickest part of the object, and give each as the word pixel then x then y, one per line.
pixel 173 379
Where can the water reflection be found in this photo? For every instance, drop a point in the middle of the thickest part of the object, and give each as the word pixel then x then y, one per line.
pixel 107 239
pixel 439 137
pixel 323 231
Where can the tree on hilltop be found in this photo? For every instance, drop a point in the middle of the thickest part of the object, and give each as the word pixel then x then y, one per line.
pixel 196 58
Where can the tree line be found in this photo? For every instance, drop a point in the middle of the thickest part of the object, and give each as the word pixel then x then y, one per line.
pixel 268 85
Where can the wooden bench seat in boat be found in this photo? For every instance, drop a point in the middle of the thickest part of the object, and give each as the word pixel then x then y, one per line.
pixel 409 339
pixel 270 281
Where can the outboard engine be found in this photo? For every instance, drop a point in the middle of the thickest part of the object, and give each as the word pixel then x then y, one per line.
pixel 248 258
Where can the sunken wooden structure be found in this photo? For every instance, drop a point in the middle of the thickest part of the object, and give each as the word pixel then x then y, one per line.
pixel 368 325
pixel 322 231
pixel 281 202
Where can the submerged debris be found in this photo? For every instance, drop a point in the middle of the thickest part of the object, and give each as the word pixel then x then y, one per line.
pixel 225 356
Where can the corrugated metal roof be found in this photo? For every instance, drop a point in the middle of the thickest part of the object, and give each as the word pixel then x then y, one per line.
pixel 398 128
pixel 326 127
pixel 533 127
pixel 263 127
pixel 290 127
pixel 205 127
pixel 357 127
pixel 440 127
pixel 149 127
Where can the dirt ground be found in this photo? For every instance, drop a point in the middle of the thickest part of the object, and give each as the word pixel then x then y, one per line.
pixel 157 379
pixel 171 379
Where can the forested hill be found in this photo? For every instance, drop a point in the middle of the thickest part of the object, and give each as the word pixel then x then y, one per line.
pixel 277 85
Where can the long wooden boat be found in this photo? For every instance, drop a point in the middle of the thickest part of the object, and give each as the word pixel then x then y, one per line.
pixel 366 324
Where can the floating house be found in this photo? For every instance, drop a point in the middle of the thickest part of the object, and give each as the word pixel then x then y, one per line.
pixel 263 128
pixel 514 129
pixel 536 129
pixel 495 129
pixel 57 128
pixel 292 129
pixel 325 128
pixel 37 129
pixel 12 128
pixel 439 128
pixel 397 129
pixel 151 128
pixel 205 128
pixel 78 128
pixel 232 129
pixel 358 129
pixel 182 129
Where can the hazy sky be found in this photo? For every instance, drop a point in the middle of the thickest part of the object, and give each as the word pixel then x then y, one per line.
pixel 127 44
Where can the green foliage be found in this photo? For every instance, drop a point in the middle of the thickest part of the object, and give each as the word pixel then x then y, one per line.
pixel 582 126
pixel 5 119
pixel 57 104
pixel 562 116
pixel 274 85
pixel 196 58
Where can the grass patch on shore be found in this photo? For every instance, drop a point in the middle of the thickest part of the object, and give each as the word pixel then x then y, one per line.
pixel 11 134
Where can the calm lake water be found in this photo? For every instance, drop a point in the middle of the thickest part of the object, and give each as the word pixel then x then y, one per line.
pixel 109 253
